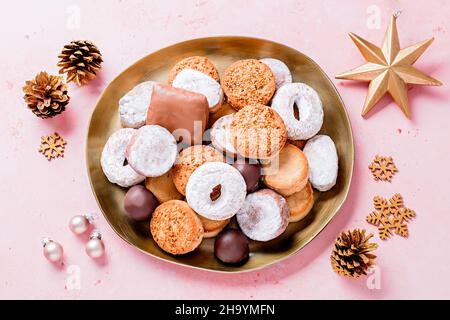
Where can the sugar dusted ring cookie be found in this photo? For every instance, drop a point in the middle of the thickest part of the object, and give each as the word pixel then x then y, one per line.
pixel 280 71
pixel 198 63
pixel 134 105
pixel 176 228
pixel 248 82
pixel 189 160
pixel 258 132
pixel 264 215
pixel 196 81
pixel 113 158
pixel 220 136
pixel 290 171
pixel 323 162
pixel 309 106
pixel 300 203
pixel 152 151
pixel 216 191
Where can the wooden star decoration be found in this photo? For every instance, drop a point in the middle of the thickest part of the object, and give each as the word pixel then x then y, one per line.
pixel 389 69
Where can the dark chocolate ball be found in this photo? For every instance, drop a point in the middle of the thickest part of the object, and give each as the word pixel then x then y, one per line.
pixel 139 203
pixel 251 173
pixel 231 246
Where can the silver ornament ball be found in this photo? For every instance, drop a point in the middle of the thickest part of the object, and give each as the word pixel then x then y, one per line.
pixel 79 224
pixel 53 251
pixel 95 248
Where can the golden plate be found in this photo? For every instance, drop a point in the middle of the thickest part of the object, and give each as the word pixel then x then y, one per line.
pixel 222 51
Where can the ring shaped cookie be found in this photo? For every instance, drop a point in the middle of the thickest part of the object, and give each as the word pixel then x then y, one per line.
pixel 248 82
pixel 113 158
pixel 264 215
pixel 310 110
pixel 280 71
pixel 152 151
pixel 189 160
pixel 216 191
pixel 196 81
pixel 134 105
pixel 176 228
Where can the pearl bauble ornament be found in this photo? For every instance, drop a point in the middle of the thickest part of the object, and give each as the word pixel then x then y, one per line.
pixel 53 251
pixel 95 248
pixel 80 224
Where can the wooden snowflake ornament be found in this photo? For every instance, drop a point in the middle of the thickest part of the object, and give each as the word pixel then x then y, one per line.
pixel 383 168
pixel 52 146
pixel 390 216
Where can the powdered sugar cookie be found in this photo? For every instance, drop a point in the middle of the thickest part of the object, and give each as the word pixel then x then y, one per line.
pixel 198 63
pixel 323 162
pixel 113 159
pixel 264 215
pixel 258 132
pixel 216 191
pixel 310 110
pixel 280 71
pixel 196 81
pixel 134 105
pixel 152 151
pixel 220 136
pixel 248 82
pixel 176 228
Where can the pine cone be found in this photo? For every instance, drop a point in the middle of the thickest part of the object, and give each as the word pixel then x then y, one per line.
pixel 351 255
pixel 80 60
pixel 46 95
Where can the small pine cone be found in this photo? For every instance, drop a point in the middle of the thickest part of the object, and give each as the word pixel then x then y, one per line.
pixel 46 95
pixel 80 60
pixel 351 255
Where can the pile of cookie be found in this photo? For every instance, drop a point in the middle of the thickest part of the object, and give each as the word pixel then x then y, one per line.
pixel 204 150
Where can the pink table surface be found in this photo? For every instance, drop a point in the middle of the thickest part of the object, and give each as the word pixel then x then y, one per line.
pixel 38 198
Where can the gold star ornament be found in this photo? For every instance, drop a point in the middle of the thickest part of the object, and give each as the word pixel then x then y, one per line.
pixel 389 69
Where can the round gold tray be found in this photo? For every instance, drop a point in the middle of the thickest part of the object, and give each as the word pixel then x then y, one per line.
pixel 222 51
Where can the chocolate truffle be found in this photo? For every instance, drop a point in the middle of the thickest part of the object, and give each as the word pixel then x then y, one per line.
pixel 231 247
pixel 139 203
pixel 251 173
pixel 184 113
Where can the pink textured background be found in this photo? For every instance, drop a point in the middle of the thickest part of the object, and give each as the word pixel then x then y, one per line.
pixel 38 198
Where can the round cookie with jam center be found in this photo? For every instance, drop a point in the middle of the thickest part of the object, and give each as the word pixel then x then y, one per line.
pixel 198 63
pixel 258 132
pixel 176 228
pixel 248 82
pixel 190 159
